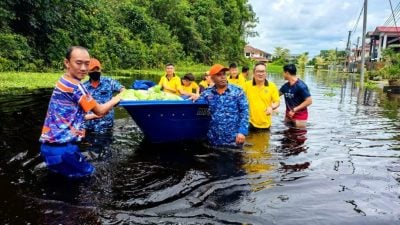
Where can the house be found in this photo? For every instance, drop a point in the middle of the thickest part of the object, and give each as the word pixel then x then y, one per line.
pixel 381 38
pixel 257 54
pixel 354 59
pixel 355 55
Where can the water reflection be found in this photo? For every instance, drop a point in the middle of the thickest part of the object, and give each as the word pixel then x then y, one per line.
pixel 292 145
pixel 256 159
pixel 256 152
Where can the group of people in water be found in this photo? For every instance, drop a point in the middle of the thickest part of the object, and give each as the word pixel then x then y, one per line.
pixel 236 104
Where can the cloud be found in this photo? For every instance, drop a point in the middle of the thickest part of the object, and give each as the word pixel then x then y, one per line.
pixel 312 25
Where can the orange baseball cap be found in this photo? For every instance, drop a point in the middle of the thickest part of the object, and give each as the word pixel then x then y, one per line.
pixel 94 63
pixel 216 68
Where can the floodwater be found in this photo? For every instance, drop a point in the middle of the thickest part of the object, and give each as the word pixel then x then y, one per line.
pixel 343 169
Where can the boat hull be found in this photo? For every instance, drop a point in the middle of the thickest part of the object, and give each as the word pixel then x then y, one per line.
pixel 169 121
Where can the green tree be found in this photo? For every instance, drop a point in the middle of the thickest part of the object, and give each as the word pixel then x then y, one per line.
pixel 281 55
pixel 126 33
pixel 302 60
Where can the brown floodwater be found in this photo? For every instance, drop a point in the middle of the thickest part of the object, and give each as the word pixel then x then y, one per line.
pixel 344 168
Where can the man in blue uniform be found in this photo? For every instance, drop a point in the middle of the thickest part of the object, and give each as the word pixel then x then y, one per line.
pixel 102 89
pixel 229 110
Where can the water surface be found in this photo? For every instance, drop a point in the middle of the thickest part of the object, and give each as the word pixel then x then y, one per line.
pixel 343 169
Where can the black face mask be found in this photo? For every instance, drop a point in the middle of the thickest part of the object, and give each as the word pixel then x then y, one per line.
pixel 95 76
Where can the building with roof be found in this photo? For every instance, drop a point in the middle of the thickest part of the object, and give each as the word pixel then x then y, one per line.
pixel 381 38
pixel 257 54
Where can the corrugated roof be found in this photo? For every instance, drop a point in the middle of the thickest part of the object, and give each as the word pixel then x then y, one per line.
pixel 387 29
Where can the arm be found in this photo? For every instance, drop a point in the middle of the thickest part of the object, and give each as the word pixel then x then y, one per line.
pixel 273 107
pixel 276 98
pixel 91 116
pixel 275 101
pixel 303 105
pixel 200 97
pixel 196 95
pixel 164 86
pixel 102 109
pixel 305 93
pixel 244 118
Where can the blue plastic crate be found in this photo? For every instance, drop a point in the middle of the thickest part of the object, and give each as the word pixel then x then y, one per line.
pixel 169 121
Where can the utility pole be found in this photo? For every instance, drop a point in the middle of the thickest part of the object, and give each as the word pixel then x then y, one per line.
pixel 348 52
pixel 363 45
pixel 358 41
pixel 355 59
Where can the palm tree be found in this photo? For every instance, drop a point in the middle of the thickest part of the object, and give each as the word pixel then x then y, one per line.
pixel 281 54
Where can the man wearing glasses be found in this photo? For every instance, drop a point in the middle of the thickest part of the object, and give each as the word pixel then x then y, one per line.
pixel 263 97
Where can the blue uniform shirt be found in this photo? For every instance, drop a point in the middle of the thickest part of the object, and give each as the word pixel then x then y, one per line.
pixel 102 94
pixel 229 114
pixel 295 94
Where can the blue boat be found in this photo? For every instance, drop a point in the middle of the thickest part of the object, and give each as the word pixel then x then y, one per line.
pixel 169 121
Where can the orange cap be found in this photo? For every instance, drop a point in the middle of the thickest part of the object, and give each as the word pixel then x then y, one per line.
pixel 94 63
pixel 216 68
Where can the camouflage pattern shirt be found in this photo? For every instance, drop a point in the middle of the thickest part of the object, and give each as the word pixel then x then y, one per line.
pixel 102 94
pixel 229 115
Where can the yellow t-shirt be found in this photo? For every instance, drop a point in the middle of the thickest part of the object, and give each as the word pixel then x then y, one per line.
pixel 241 75
pixel 192 88
pixel 259 99
pixel 174 83
pixel 240 81
pixel 204 84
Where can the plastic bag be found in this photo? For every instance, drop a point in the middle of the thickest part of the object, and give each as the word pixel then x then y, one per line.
pixel 142 84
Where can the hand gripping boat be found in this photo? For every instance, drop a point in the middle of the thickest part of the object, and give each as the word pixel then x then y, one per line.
pixel 169 121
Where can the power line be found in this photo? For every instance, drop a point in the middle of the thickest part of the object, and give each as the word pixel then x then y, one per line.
pixel 358 20
pixel 395 14
pixel 394 18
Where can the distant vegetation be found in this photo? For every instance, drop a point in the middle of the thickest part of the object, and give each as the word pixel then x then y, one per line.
pixel 281 56
pixel 326 58
pixel 123 34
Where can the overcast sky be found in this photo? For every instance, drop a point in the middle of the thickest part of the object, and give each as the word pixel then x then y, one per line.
pixel 313 25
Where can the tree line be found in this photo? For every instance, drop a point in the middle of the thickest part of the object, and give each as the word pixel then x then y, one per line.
pixel 123 34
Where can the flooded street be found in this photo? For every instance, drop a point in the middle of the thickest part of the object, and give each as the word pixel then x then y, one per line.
pixel 343 169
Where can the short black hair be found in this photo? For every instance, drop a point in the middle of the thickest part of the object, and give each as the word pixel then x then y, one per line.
pixel 232 65
pixel 259 63
pixel 245 69
pixel 290 68
pixel 188 76
pixel 169 64
pixel 71 49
